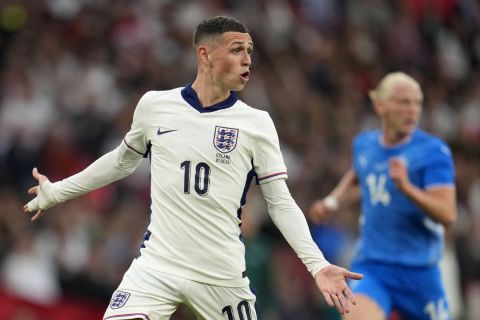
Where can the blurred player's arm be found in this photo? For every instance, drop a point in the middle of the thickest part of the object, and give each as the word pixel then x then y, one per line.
pixel 289 219
pixel 111 167
pixel 346 192
pixel 438 202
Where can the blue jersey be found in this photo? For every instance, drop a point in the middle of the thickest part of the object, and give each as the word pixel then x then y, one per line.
pixel 394 229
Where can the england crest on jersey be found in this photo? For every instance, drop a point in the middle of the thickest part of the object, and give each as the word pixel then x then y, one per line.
pixel 225 139
pixel 119 299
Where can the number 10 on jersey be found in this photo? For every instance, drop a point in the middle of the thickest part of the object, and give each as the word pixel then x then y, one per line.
pixel 201 180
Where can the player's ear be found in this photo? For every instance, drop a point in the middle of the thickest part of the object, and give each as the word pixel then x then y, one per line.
pixel 377 104
pixel 378 107
pixel 203 54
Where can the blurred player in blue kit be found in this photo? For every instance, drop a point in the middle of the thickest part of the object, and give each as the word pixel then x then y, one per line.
pixel 405 179
pixel 205 147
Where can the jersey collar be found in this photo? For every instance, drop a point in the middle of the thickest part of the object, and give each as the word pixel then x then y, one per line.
pixel 399 144
pixel 190 96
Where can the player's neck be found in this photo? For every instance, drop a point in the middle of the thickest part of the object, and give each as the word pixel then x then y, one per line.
pixel 390 138
pixel 209 94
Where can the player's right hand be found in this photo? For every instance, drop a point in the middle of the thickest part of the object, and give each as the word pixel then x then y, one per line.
pixel 318 212
pixel 43 200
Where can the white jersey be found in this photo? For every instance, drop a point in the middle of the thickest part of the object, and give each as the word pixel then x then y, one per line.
pixel 202 162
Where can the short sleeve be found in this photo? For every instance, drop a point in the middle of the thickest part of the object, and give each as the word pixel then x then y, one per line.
pixel 136 138
pixel 267 158
pixel 439 169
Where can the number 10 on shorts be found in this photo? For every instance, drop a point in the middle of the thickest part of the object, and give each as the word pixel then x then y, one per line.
pixel 243 310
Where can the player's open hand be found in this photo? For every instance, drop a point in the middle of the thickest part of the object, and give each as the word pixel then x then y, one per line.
pixel 331 281
pixel 40 203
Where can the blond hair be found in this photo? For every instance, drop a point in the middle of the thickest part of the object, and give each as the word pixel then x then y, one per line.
pixel 384 87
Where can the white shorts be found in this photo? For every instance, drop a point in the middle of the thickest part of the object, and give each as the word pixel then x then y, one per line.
pixel 150 295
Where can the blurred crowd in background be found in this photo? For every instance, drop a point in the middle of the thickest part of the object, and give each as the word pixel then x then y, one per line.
pixel 72 71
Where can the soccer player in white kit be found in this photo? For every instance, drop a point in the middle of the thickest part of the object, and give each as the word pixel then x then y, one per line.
pixel 205 147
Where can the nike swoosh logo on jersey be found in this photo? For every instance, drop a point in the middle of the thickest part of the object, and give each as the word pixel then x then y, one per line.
pixel 159 132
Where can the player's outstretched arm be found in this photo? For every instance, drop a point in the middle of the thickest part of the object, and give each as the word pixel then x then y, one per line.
pixel 289 219
pixel 111 167
pixel 331 281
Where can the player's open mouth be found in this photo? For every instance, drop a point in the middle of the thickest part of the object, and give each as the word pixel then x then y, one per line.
pixel 245 76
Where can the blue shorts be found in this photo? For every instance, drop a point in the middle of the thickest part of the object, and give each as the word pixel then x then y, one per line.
pixel 414 292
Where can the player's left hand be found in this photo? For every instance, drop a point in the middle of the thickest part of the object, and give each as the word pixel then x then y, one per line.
pixel 398 172
pixel 331 281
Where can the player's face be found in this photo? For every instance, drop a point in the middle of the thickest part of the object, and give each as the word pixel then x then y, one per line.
pixel 402 109
pixel 231 60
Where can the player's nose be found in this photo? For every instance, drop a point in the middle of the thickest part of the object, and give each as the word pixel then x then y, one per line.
pixel 247 59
